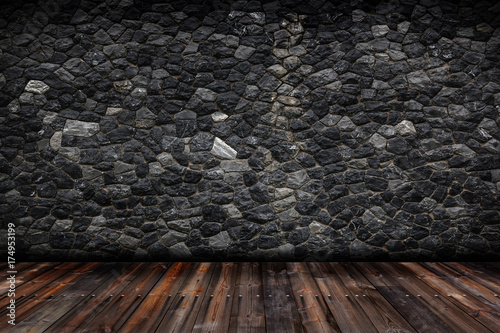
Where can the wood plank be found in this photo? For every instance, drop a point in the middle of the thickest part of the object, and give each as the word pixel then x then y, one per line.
pixel 410 307
pixel 247 311
pixel 472 306
pixel 452 315
pixel 45 316
pixel 315 314
pixel 381 313
pixel 182 314
pixel 31 287
pixel 282 314
pixel 490 268
pixel 54 288
pixel 24 275
pixel 483 279
pixel 215 312
pixel 149 313
pixel 469 287
pixel 119 309
pixel 346 310
pixel 89 307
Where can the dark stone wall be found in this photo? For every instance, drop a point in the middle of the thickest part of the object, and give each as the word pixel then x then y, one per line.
pixel 221 130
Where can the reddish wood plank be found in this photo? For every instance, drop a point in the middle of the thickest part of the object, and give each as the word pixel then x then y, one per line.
pixel 381 313
pixel 452 315
pixel 48 314
pixel 346 310
pixel 149 313
pixel 282 315
pixel 215 312
pixel 313 311
pixel 31 287
pixel 119 309
pixel 410 307
pixel 247 312
pixel 52 289
pixel 472 306
pixel 26 274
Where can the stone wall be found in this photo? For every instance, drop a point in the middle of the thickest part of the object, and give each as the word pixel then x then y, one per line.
pixel 284 130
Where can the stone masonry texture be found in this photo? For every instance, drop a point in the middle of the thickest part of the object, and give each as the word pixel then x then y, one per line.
pixel 250 130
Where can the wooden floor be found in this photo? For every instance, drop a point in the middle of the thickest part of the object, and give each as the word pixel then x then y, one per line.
pixel 254 297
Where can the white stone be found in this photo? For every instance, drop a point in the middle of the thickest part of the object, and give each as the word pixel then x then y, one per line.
pixel 80 128
pixel 223 150
pixel 405 128
pixel 219 116
pixel 37 87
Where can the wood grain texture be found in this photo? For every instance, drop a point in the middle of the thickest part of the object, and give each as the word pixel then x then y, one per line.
pixel 275 297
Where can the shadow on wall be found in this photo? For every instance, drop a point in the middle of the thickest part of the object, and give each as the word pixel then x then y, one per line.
pixel 251 130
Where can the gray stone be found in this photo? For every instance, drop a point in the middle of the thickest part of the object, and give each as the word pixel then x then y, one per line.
pixel 358 15
pixel 219 241
pixel 128 241
pixel 379 30
pixel 463 150
pixel 346 124
pixel 219 116
pixel 244 52
pixel 62 225
pixel 223 150
pixel 458 112
pixel 119 191
pixel 173 237
pixel 180 225
pixel 155 169
pixel 180 251
pixel 165 159
pixel 55 140
pixel 80 128
pixel 71 153
pixel 418 80
pixel 323 77
pixel 297 179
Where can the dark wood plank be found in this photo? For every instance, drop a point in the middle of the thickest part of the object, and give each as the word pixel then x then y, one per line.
pixel 410 307
pixel 346 310
pixel 469 287
pixel 26 290
pixel 282 315
pixel 490 268
pixel 148 315
pixel 452 315
pixel 119 309
pixel 471 305
pixel 381 313
pixel 313 311
pixel 26 274
pixel 79 316
pixel 247 311
pixel 215 312
pixel 60 305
